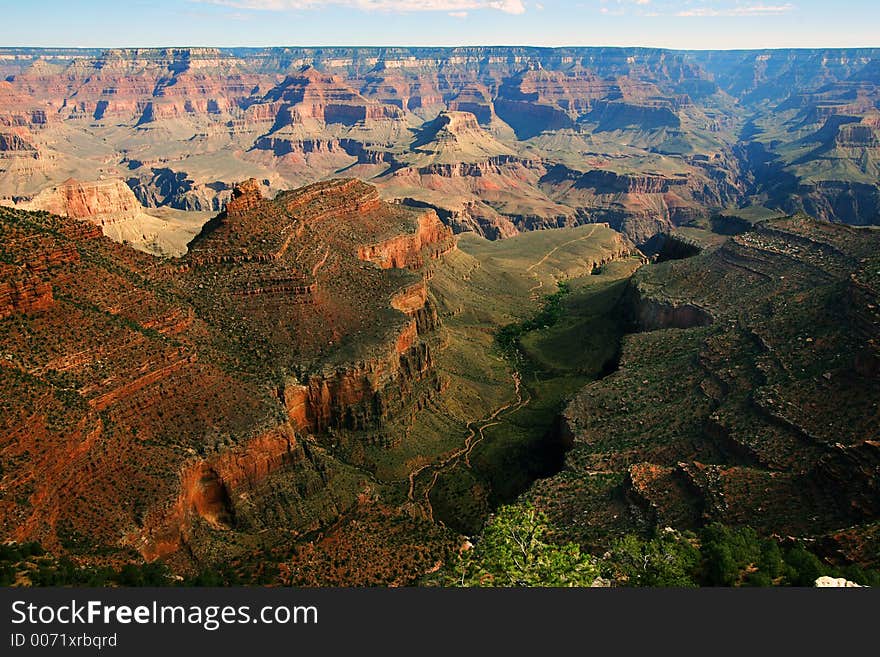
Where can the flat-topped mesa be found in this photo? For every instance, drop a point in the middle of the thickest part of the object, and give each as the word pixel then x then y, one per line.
pixel 112 205
pixel 857 135
pixel 457 121
pixel 611 182
pixel 486 167
pixel 281 146
pixel 572 91
pixel 617 114
pixel 474 99
pixel 161 54
pixel 457 137
pixel 640 205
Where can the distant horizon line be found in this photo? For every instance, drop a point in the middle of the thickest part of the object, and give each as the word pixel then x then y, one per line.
pixel 437 47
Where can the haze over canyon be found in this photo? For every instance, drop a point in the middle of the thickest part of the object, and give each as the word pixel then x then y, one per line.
pixel 498 140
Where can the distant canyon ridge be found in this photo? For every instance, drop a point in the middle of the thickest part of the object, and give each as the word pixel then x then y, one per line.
pixel 149 142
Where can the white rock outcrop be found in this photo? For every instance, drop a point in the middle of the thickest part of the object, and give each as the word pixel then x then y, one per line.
pixel 834 582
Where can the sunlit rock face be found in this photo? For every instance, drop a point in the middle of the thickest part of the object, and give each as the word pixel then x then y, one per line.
pixel 497 140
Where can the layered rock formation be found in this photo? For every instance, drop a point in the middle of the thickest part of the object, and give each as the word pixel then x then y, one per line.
pixel 166 399
pixel 456 137
pixel 320 122
pixel 641 206
pixel 788 130
pixel 816 150
pixel 745 400
pixel 271 400
pixel 111 205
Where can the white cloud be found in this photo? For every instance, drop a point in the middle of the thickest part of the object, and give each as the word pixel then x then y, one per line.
pixel 738 10
pixel 453 7
pixel 693 8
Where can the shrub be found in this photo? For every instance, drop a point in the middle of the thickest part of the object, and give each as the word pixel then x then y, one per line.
pixel 669 559
pixel 513 551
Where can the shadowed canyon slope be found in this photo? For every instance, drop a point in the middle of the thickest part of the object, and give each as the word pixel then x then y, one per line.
pixel 497 140
pixel 747 394
pixel 290 376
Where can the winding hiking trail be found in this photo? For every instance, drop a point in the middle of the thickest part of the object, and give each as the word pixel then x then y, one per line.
pixel 475 436
pixel 531 268
pixel 477 428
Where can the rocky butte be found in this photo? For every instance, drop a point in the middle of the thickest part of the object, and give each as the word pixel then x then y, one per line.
pixel 112 205
pixel 274 394
pixel 146 402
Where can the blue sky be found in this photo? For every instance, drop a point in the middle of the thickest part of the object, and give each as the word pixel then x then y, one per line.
pixel 661 23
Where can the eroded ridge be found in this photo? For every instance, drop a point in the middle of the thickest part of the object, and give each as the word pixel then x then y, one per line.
pixel 166 406
pixel 748 397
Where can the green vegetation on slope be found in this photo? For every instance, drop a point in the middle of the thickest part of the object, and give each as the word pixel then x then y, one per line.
pixel 515 550
pixel 550 352
pixel 481 287
pixel 508 337
pixel 765 418
pixel 28 564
